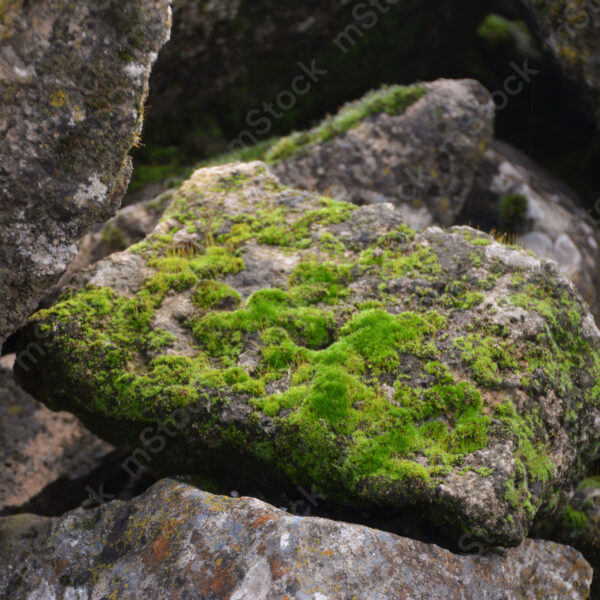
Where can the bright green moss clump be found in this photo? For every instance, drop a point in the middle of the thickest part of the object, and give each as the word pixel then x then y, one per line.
pixel 392 100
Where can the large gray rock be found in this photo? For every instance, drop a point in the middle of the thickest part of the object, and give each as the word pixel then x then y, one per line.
pixel 416 147
pixel 73 81
pixel 177 542
pixel 290 339
pixel 39 447
pixel 513 194
pixel 571 32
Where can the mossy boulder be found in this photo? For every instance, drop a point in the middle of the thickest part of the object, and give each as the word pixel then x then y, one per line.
pixel 73 82
pixel 415 146
pixel 265 333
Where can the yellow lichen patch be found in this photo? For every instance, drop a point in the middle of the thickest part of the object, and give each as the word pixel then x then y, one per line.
pixel 57 98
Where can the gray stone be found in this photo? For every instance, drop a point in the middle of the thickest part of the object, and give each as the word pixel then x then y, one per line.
pixel 73 81
pixel 422 159
pixel 552 225
pixel 39 447
pixel 177 542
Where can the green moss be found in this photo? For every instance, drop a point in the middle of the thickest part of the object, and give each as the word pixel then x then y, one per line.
pixel 487 357
pixel 496 29
pixel 574 520
pixel 513 210
pixel 392 100
pixel 215 295
pixel 359 388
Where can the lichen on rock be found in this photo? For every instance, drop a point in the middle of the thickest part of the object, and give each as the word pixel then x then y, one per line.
pixel 73 81
pixel 176 541
pixel 275 331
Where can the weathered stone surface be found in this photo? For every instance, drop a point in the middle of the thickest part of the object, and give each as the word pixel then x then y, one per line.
pixel 298 340
pixel 178 542
pixel 39 447
pixel 421 155
pixel 515 195
pixel 571 31
pixel 73 80
pixel 131 224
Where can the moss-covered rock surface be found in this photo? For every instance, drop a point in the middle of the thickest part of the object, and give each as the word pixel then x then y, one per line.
pixel 264 332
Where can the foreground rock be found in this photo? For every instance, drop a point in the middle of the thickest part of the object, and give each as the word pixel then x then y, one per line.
pixel 178 542
pixel 39 447
pixel 513 195
pixel 73 83
pixel 417 147
pixel 571 32
pixel 285 338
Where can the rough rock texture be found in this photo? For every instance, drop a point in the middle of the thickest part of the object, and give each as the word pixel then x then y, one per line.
pixel 514 195
pixel 178 542
pixel 131 224
pixel 571 31
pixel 421 155
pixel 39 447
pixel 73 80
pixel 290 338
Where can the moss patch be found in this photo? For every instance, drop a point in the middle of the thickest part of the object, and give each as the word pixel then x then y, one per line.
pixel 393 100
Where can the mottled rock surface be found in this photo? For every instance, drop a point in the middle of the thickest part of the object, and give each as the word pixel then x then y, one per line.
pixel 131 224
pixel 571 32
pixel 73 81
pixel 178 542
pixel 415 147
pixel 39 447
pixel 288 337
pixel 514 195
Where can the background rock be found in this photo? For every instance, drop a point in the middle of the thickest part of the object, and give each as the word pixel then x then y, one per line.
pixel 422 158
pixel 176 541
pixel 514 195
pixel 73 83
pixel 289 339
pixel 39 447
pixel 571 32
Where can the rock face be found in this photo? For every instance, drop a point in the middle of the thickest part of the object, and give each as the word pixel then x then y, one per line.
pixel 178 542
pixel 265 333
pixel 73 83
pixel 130 225
pixel 39 447
pixel 571 31
pixel 417 147
pixel 514 195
